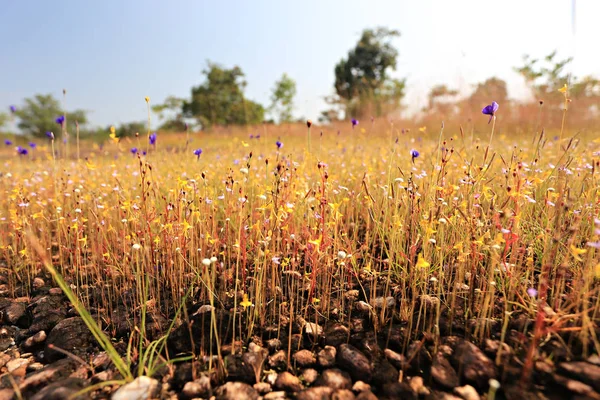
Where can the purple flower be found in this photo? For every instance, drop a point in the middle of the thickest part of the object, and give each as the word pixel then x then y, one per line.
pixel 251 136
pixel 354 122
pixel 13 109
pixel 50 135
pixel 22 151
pixel 532 292
pixel 197 153
pixel 490 110
pixel 279 144
pixel 134 150
pixel 152 138
pixel 414 154
pixel 7 142
pixel 144 152
pixel 32 145
pixel 60 120
pixel 257 137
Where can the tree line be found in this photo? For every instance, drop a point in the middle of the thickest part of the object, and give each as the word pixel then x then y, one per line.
pixel 363 88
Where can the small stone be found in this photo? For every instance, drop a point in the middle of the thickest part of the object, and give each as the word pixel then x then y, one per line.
pixel 309 376
pixel 467 392
pixel 335 379
pixel 263 387
pixel 398 390
pixel 356 363
pixel 236 391
pixel 35 340
pixel 326 357
pixel 443 373
pixel 304 358
pixel 576 387
pixel 38 283
pixel 142 388
pixel 343 394
pixel 14 314
pixel 582 371
pixel 398 360
pixel 273 345
pixel 36 366
pixel 70 334
pixel 278 361
pixel 361 386
pixel 198 388
pixel 16 363
pixel 381 302
pixel 366 395
pixel 418 386
pixel 64 389
pixel 362 306
pixel 280 395
pixel 55 291
pixel 4 359
pixel 336 334
pixel 315 393
pixel 101 360
pixel 313 329
pixel 288 382
pixel 476 367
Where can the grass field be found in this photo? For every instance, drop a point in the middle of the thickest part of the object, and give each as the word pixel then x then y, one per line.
pixel 468 238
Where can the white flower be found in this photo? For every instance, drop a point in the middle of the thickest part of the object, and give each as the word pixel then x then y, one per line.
pixel 136 246
pixel 342 254
pixel 206 262
pixel 213 259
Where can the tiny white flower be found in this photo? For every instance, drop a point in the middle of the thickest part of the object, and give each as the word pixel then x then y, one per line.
pixel 136 246
pixel 206 262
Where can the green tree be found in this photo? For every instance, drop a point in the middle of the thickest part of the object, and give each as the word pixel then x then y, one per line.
pixel 282 98
pixel 39 114
pixel 130 129
pixel 171 111
pixel 220 99
pixel 362 80
pixel 3 119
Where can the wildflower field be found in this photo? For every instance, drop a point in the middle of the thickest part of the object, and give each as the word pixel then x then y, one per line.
pixel 419 260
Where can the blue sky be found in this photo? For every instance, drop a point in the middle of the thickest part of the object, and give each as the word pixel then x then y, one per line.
pixel 110 54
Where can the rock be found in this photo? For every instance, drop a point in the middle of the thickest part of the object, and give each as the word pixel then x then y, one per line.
pixel 70 334
pixel 326 357
pixel 280 395
pixel 342 394
pixel 582 371
pixel 397 390
pixel 16 364
pixel 383 372
pixel 142 388
pixel 362 307
pixel 273 345
pixel 199 388
pixel 7 394
pixel 398 360
pixel 47 311
pixel 15 314
pixel 101 360
pixel 315 393
pixel 238 370
pixel 336 334
pixel 476 367
pixel 418 386
pixel 467 392
pixel 361 386
pixel 366 395
pixel 35 367
pixel 304 358
pixel 576 387
pixel 236 391
pixel 263 387
pixel 335 379
pixel 51 373
pixel 63 390
pixel 443 373
pixel 356 363
pixel 419 357
pixel 442 396
pixel 381 302
pixel 38 283
pixel 312 329
pixel 4 359
pixel 278 361
pixel 288 382
pixel 256 360
pixel 35 340
pixel 309 376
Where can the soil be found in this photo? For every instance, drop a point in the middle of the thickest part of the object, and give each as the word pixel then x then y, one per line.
pixel 48 353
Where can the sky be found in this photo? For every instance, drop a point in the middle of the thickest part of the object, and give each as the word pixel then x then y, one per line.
pixel 110 54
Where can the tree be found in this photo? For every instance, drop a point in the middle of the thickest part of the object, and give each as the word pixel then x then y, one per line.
pixel 362 81
pixel 171 111
pixel 220 99
pixel 39 114
pixel 3 119
pixel 130 129
pixel 282 98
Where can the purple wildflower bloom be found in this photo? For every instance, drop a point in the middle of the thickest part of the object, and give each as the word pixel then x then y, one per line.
pixel 7 142
pixel 13 109
pixel 32 145
pixel 354 122
pixel 22 151
pixel 257 137
pixel 490 110
pixel 134 150
pixel 414 154
pixel 60 120
pixel 50 135
pixel 152 138
pixel 197 153
pixel 251 136
pixel 279 144
pixel 144 153
pixel 532 292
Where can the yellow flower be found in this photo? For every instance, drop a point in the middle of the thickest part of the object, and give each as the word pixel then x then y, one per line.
pixel 245 302
pixel 576 253
pixel 422 129
pixel 147 99
pixel 113 130
pixel 564 89
pixel 421 263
